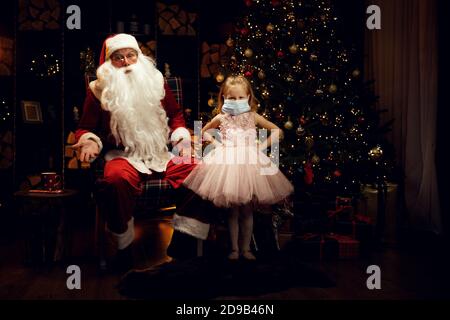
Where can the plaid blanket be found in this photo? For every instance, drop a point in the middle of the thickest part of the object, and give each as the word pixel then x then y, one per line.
pixel 176 85
pixel 156 194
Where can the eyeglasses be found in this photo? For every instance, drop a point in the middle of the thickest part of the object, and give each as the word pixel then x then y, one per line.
pixel 120 58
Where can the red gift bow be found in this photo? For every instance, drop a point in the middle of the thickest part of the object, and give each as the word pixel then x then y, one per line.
pixel 363 218
pixel 332 213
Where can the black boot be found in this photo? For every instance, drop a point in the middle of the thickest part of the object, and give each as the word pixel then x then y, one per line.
pixel 124 261
pixel 182 246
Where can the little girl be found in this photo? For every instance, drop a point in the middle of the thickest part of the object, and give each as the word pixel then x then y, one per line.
pixel 233 174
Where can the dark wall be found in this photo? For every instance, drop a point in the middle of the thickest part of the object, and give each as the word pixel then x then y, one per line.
pixel 442 154
pixel 7 95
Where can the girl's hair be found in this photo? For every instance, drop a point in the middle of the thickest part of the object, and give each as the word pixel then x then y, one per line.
pixel 234 81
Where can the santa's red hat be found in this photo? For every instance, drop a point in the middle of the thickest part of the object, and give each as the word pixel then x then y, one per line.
pixel 117 42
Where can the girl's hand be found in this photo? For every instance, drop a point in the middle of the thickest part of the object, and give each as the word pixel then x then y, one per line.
pixel 276 134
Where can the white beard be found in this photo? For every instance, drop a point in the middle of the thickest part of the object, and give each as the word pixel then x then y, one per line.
pixel 133 96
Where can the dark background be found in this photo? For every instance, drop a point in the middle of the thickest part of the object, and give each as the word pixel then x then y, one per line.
pixel 40 147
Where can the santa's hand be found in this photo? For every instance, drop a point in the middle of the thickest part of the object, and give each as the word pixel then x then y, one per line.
pixel 89 150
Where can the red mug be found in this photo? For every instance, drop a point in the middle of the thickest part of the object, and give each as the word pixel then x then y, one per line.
pixel 51 181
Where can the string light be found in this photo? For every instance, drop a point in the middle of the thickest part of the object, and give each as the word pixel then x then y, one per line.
pixel 45 66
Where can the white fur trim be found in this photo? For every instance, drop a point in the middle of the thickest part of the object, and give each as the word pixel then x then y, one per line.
pixel 95 90
pixel 125 239
pixel 121 41
pixel 190 226
pixel 179 133
pixel 90 135
pixel 138 165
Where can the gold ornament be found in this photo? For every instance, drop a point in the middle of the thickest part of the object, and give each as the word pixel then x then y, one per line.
pixel 376 153
pixel 315 159
pixel 313 57
pixel 220 77
pixel 356 73
pixel 300 131
pixel 270 27
pixel 211 102
pixel 288 125
pixel 291 16
pixel 353 130
pixel 309 142
pixel 261 74
pixel 248 53
pixel 332 88
pixel 331 156
pixel 355 112
pixel 293 48
pixel 229 42
pixel 324 119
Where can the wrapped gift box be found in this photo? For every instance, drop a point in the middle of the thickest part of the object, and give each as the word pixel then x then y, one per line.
pixel 348 247
pixel 343 210
pixel 360 228
pixel 316 246
pixel 392 206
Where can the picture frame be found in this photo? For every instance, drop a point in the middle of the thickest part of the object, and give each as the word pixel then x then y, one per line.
pixel 31 112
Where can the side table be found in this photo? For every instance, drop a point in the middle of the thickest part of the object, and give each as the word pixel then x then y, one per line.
pixel 46 224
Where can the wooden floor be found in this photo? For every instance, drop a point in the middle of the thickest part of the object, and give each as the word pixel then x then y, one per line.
pixel 406 273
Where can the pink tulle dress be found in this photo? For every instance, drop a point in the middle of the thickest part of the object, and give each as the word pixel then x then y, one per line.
pixel 236 172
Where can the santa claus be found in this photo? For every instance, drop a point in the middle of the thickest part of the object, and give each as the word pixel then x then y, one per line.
pixel 128 115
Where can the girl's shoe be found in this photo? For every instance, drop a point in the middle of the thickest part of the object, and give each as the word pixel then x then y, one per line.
pixel 234 255
pixel 248 255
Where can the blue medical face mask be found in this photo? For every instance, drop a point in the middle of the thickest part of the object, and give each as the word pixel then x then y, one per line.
pixel 235 107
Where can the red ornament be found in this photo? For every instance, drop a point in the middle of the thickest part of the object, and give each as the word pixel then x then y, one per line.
pixel 337 173
pixel 302 120
pixel 275 3
pixel 279 116
pixel 309 173
pixel 244 31
pixel 248 3
pixel 280 54
pixel 248 74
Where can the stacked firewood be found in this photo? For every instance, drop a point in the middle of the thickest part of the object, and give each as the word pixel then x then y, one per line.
pixel 6 56
pixel 39 14
pixel 213 57
pixel 175 21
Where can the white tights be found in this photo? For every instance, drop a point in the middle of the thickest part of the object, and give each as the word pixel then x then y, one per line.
pixel 241 219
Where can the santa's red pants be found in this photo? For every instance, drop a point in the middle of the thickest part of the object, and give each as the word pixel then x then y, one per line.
pixel 121 186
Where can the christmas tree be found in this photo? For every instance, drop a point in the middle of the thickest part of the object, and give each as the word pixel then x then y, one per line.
pixel 309 84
